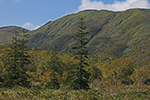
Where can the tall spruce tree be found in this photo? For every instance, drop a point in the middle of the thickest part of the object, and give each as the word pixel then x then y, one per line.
pixel 78 75
pixel 15 61
pixel 55 67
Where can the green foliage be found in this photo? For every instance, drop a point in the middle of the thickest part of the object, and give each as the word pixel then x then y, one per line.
pixel 95 72
pixel 51 63
pixel 15 61
pixel 78 75
pixel 139 76
pixel 101 87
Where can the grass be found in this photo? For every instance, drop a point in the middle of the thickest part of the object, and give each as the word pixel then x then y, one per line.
pixel 20 93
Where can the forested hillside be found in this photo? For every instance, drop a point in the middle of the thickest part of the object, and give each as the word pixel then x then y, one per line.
pixel 112 34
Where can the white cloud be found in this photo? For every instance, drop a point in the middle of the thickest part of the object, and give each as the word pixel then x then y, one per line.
pixel 116 6
pixel 30 26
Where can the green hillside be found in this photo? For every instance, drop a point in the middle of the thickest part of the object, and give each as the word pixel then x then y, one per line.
pixel 112 34
pixel 6 33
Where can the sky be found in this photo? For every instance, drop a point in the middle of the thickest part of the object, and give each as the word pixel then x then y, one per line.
pixel 31 14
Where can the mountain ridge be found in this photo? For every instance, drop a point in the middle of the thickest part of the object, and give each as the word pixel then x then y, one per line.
pixel 111 34
pixel 6 33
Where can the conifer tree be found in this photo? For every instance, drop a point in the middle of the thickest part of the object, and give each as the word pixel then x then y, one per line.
pixel 78 75
pixel 15 61
pixel 55 68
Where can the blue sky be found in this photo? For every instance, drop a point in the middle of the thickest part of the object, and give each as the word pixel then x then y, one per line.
pixel 31 14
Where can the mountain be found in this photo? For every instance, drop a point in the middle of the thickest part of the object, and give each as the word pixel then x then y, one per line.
pixel 6 33
pixel 111 34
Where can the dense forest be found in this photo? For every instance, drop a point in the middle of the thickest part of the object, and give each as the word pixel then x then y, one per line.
pixel 30 73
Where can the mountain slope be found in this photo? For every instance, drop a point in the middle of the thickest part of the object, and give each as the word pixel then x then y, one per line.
pixel 59 32
pixel 112 34
pixel 6 33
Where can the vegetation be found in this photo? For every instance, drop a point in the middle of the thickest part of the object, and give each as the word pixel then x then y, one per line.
pixel 112 34
pixel 109 78
pixel 19 93
pixel 39 74
pixel 15 60
pixel 6 33
pixel 78 75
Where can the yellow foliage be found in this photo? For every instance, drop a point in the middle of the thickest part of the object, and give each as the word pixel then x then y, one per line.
pixel 45 82
pixel 140 75
pixel 61 79
pixel 36 83
pixel 45 77
pixel 67 60
pixel 117 70
pixel 33 76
